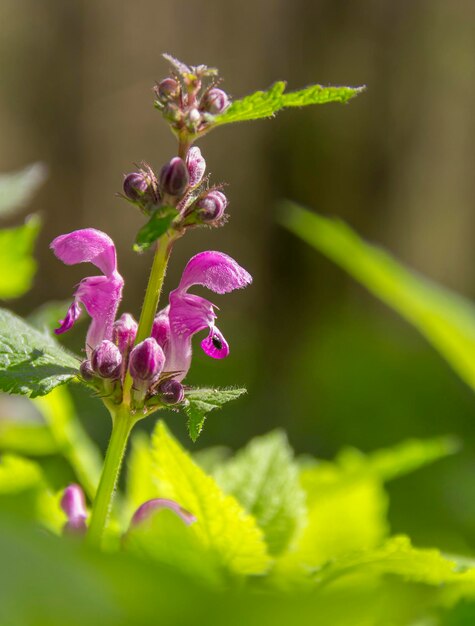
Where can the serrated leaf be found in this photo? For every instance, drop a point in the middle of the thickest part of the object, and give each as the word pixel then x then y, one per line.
pixel 446 319
pixel 31 363
pixel 398 557
pixel 264 479
pixel 17 188
pixel 266 103
pixel 16 258
pixel 201 401
pixel 165 538
pixel 157 226
pixel 231 535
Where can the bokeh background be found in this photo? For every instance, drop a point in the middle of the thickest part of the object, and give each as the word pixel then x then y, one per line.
pixel 319 356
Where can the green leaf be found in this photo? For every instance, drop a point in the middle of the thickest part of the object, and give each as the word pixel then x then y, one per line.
pixel 446 319
pixel 201 401
pixel 157 226
pixel 223 527
pixel 26 438
pixel 266 103
pixel 165 538
pixel 399 460
pixel 264 479
pixel 16 260
pixel 71 439
pixel 31 363
pixel 17 188
pixel 398 557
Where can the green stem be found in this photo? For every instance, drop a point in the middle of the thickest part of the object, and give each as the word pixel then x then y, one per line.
pixel 121 427
pixel 152 297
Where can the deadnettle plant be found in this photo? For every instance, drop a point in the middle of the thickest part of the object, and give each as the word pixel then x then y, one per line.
pixel 140 366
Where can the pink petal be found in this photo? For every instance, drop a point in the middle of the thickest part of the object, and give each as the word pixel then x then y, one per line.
pixel 216 271
pixel 74 505
pixel 147 508
pixel 86 245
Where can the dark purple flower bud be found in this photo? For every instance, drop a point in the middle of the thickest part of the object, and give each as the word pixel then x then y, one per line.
pixel 171 392
pixel 106 360
pixel 147 508
pixel 124 332
pixel 135 185
pixel 146 362
pixel 196 166
pixel 174 177
pixel 211 207
pixel 215 101
pixel 86 371
pixel 167 89
pixel 74 505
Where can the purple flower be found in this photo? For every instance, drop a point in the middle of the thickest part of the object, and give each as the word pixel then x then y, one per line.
pixel 189 313
pixel 74 505
pixel 147 508
pixel 100 295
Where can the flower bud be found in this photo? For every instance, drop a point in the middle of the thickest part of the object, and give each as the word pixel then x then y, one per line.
pixel 161 328
pixel 146 362
pixel 106 360
pixel 196 166
pixel 147 508
pixel 86 371
pixel 171 392
pixel 135 185
pixel 124 332
pixel 215 101
pixel 211 207
pixel 74 505
pixel 167 89
pixel 141 186
pixel 174 177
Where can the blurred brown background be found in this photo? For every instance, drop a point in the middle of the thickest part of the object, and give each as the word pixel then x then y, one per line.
pixel 319 356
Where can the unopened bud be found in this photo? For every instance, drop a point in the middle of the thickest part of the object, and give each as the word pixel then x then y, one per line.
pixel 142 186
pixel 124 332
pixel 174 177
pixel 106 360
pixel 167 89
pixel 146 362
pixel 161 328
pixel 171 392
pixel 74 506
pixel 196 166
pixel 215 101
pixel 211 207
pixel 135 185
pixel 86 371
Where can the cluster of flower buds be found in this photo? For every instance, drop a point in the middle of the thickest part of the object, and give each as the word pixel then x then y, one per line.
pixel 189 99
pixel 181 184
pixel 111 360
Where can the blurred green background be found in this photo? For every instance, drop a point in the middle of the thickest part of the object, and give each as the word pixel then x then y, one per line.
pixel 319 356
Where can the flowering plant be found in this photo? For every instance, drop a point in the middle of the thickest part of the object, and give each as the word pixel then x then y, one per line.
pixel 309 536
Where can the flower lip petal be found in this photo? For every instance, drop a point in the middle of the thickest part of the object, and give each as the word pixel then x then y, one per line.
pixel 215 345
pixel 216 271
pixel 87 245
pixel 70 318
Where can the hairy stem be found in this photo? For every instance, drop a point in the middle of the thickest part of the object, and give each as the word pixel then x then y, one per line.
pixel 121 428
pixel 152 298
